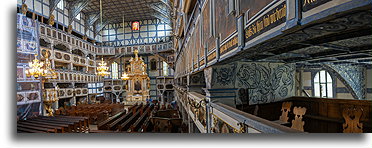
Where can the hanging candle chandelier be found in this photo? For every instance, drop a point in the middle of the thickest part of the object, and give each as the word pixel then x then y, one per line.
pixel 36 68
pixel 102 68
pixel 125 75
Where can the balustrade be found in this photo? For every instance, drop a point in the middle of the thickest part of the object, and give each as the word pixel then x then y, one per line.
pixel 212 117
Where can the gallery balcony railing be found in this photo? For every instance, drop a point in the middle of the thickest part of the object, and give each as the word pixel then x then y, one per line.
pixel 148 48
pixel 72 76
pixel 212 117
pixel 60 36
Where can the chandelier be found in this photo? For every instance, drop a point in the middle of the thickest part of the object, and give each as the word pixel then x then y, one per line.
pixel 38 68
pixel 125 76
pixel 102 68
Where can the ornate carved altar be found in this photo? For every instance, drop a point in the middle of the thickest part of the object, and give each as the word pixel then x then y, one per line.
pixel 138 84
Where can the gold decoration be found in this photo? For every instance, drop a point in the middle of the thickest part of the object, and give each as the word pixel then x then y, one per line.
pixel 51 20
pixel 125 76
pixel 50 97
pixel 24 9
pixel 102 68
pixel 36 69
pixel 39 69
pixel 138 90
pixel 85 37
pixel 69 29
pixel 49 73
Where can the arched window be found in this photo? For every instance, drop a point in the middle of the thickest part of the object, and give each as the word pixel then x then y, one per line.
pixel 114 70
pixel 323 85
pixel 165 69
pixel 153 64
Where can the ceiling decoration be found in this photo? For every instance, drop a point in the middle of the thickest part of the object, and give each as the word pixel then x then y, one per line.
pixel 343 40
pixel 113 10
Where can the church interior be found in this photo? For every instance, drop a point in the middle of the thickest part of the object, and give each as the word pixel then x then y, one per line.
pixel 194 66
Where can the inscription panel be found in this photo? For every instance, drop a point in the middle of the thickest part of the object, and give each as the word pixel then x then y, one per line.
pixel 271 19
pixel 229 45
pixel 310 4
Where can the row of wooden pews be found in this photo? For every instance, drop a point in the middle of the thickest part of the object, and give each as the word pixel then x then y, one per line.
pixel 136 119
pixel 95 112
pixel 57 124
pixel 145 116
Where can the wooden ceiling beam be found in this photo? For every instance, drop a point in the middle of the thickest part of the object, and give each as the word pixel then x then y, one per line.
pixel 52 6
pixel 75 8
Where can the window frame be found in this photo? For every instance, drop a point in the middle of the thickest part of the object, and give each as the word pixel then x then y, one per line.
pixel 61 5
pixel 114 70
pixel 153 63
pixel 326 82
pixel 78 17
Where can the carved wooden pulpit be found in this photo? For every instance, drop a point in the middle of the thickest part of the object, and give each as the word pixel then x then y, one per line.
pixel 138 84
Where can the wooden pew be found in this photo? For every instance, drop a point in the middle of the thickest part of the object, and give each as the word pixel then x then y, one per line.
pixel 124 126
pixel 146 126
pixel 101 131
pixel 47 130
pixel 84 119
pixel 58 128
pixel 27 130
pixel 104 125
pixel 107 124
pixel 72 125
pixel 82 123
pixel 138 124
pixel 68 127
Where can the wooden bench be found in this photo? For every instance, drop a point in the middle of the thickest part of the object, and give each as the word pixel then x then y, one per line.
pixel 73 125
pixel 27 130
pixel 136 114
pixel 58 129
pixel 68 128
pixel 43 129
pixel 135 127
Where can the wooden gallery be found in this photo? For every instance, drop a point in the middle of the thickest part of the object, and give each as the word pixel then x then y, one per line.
pixel 194 66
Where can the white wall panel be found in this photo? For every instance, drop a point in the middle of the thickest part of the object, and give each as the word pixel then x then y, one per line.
pixel 30 4
pixel 38 7
pixel 46 10
pixel 60 17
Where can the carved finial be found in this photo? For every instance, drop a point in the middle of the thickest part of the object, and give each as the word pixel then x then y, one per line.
pixel 352 118
pixel 69 29
pixel 297 123
pixel 136 54
pixel 51 20
pixel 24 9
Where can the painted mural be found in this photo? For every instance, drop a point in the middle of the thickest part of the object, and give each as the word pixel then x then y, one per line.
pixel 264 82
